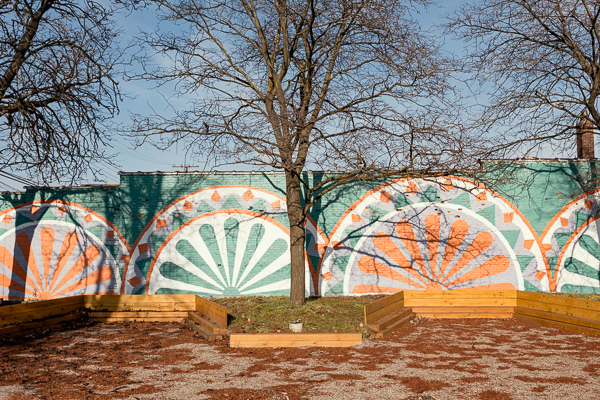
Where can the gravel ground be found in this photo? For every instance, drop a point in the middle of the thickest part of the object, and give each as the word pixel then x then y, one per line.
pixel 429 359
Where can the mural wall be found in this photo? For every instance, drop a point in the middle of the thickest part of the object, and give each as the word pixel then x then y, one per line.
pixel 227 234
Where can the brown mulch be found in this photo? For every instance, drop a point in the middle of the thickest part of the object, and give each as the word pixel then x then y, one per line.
pixel 435 359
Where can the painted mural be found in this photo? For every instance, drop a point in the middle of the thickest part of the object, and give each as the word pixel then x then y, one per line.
pixel 54 249
pixel 222 240
pixel 443 233
pixel 233 240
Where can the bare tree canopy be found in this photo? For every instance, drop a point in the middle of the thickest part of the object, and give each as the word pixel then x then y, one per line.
pixel 56 85
pixel 539 62
pixel 351 86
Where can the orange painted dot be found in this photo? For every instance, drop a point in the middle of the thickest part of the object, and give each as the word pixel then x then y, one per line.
pixel 337 245
pixel 528 243
pixel 110 234
pixel 134 281
pixel 481 196
pixel 62 209
pixel 356 218
pixel 248 195
pixel 276 205
pixel 508 217
pixel 161 223
pixel 7 219
pixel 143 248
pixel 564 221
pixel 88 218
pixel 540 275
pixel 188 206
pixel 412 187
pixel 33 210
pixel 385 197
pixel 327 276
pixel 447 185
pixel 215 197
pixel 588 203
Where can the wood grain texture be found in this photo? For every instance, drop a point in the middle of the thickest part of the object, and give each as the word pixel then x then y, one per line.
pixel 295 339
pixel 212 311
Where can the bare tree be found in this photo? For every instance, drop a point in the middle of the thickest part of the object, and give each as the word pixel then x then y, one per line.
pixel 349 86
pixel 537 64
pixel 56 85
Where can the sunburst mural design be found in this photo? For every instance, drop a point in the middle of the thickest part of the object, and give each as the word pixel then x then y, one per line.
pixel 228 252
pixel 184 209
pixel 58 249
pixel 431 248
pixel 578 264
pixel 369 228
pixel 568 244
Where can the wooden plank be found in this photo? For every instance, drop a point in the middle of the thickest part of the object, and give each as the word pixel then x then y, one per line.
pixel 546 322
pixel 38 305
pixel 94 301
pixel 136 319
pixel 461 302
pixel 29 327
pixel 394 327
pixel 212 311
pixel 139 314
pixel 163 307
pixel 203 332
pixel 207 324
pixel 560 318
pixel 458 294
pixel 295 340
pixel 465 315
pixel 559 309
pixel 559 300
pixel 382 303
pixel 383 312
pixel 38 314
pixel 466 310
pixel 390 319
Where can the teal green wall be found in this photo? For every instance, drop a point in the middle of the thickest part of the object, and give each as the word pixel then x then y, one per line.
pixel 225 233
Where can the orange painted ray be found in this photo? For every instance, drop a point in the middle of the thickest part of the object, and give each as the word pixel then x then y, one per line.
pixel 8 260
pixel 47 236
pixel 458 231
pixel 493 286
pixel 480 244
pixel 432 228
pixel 384 243
pixel 369 266
pixel 69 244
pixel 364 289
pixel 406 233
pixel 496 265
pixel 101 275
pixel 88 257
pixel 11 284
pixel 24 243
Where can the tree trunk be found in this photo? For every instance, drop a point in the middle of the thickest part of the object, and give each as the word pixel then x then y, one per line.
pixel 297 237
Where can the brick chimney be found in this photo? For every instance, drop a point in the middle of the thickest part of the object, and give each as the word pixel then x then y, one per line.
pixel 585 137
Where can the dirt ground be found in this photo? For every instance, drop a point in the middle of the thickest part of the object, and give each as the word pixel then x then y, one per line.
pixel 430 359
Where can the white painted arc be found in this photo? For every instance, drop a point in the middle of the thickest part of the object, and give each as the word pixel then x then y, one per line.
pixel 240 248
pixel 176 258
pixel 218 225
pixel 271 287
pixel 193 236
pixel 274 266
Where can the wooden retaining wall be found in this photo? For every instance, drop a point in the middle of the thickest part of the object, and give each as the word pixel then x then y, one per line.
pixel 21 319
pixel 461 303
pixel 149 308
pixel 546 309
pixel 565 312
pixel 206 317
pixel 295 339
